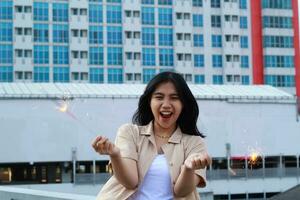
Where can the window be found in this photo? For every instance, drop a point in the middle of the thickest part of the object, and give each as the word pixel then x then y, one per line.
pixel 165 2
pixel 40 33
pixel 41 54
pixel 114 14
pixel 60 33
pixel 277 22
pixel 61 74
pixel 96 75
pixel 95 34
pixel 41 74
pixel 5 31
pixel 60 55
pixel 278 41
pixel 148 36
pixel 199 79
pixel 115 75
pixel 148 17
pixel 215 3
pixel 96 56
pixel 216 40
pixel 198 40
pixel 6 54
pixel 217 79
pixel 60 12
pixel 198 60
pixel 148 56
pixel 197 20
pixel 197 3
pixel 166 57
pixel 280 80
pixel 277 4
pixel 165 37
pixel 148 74
pixel 40 11
pixel 217 60
pixel 245 80
pixel 243 4
pixel 150 2
pixel 114 35
pixel 6 74
pixel 244 62
pixel 114 56
pixel 95 13
pixel 244 42
pixel 216 21
pixel 243 22
pixel 165 16
pixel 278 61
pixel 6 9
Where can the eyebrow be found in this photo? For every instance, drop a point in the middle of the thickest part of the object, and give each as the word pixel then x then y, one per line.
pixel 159 93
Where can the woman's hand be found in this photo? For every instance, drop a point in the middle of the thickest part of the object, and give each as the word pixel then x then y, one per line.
pixel 103 146
pixel 197 161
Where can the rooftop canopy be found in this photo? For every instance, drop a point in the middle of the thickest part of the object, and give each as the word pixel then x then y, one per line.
pixel 86 90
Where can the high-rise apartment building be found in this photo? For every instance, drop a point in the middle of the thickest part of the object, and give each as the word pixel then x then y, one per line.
pixel 129 41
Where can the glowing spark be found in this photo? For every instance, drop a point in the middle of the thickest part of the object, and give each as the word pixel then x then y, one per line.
pixel 63 107
pixel 254 156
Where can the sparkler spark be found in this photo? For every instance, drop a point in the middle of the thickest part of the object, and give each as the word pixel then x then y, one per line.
pixel 63 107
pixel 254 156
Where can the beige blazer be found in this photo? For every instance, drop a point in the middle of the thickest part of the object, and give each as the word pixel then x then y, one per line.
pixel 138 143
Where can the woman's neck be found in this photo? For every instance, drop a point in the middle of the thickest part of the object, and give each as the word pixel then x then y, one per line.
pixel 157 129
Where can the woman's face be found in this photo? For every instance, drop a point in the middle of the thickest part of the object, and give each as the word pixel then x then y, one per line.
pixel 166 106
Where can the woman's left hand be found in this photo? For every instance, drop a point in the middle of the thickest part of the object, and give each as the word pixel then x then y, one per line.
pixel 197 161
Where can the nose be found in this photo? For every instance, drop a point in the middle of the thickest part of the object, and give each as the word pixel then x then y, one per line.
pixel 166 103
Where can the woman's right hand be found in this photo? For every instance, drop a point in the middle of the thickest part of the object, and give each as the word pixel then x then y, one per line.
pixel 103 146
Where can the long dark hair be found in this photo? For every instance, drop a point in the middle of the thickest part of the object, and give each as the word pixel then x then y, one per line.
pixel 187 120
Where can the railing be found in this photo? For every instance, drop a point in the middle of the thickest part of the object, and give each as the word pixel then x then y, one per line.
pixel 89 178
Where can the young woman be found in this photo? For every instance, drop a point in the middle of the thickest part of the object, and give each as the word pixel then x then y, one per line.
pixel 162 154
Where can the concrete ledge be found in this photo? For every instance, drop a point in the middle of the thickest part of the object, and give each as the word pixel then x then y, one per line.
pixel 12 193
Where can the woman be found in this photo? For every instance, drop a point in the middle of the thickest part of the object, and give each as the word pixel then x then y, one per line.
pixel 162 154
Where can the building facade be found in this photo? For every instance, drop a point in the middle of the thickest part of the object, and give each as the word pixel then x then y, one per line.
pixel 129 41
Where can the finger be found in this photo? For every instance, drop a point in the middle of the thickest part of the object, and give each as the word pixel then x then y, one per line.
pixel 106 147
pixel 94 143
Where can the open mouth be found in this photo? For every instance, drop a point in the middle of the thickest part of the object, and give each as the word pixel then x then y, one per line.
pixel 166 114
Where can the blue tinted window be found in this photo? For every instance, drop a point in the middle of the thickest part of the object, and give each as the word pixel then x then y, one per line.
pixel 243 22
pixel 96 56
pixel 245 80
pixel 114 35
pixel 277 4
pixel 165 2
pixel 166 57
pixel 148 17
pixel 280 80
pixel 277 22
pixel 6 31
pixel 278 41
pixel 197 20
pixel 217 79
pixel 244 42
pixel 60 12
pixel 198 40
pixel 6 9
pixel 165 37
pixel 217 61
pixel 41 54
pixel 198 60
pixel 216 21
pixel 148 36
pixel 114 56
pixel 215 3
pixel 41 74
pixel 216 40
pixel 199 79
pixel 279 61
pixel 61 74
pixel 95 13
pixel 96 34
pixel 197 3
pixel 41 33
pixel 60 54
pixel 165 16
pixel 60 33
pixel 6 54
pixel 148 74
pixel 96 75
pixel 115 75
pixel 6 73
pixel 40 11
pixel 148 56
pixel 114 14
pixel 151 2
pixel 244 61
pixel 243 4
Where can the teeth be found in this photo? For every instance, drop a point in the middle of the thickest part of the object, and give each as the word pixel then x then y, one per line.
pixel 166 113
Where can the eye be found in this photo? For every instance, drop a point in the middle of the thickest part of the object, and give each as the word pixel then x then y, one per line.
pixel 175 97
pixel 158 97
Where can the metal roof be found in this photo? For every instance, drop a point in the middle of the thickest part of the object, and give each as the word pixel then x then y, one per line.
pixel 87 90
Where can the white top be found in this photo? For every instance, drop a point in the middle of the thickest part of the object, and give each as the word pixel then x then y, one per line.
pixel 157 182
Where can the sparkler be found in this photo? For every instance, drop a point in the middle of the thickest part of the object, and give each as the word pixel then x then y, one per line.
pixel 255 154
